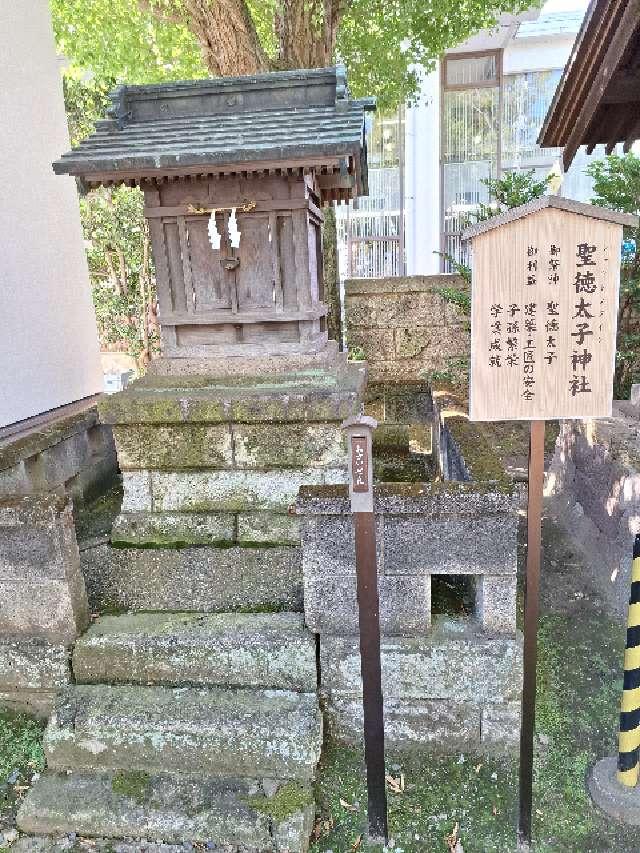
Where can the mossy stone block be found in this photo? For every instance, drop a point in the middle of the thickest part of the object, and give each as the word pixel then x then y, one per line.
pixel 172 529
pixel 225 733
pixel 288 445
pixel 174 446
pixel 268 528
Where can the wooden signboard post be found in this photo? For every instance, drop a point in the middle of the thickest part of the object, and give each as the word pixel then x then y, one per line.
pixel 359 431
pixel 543 340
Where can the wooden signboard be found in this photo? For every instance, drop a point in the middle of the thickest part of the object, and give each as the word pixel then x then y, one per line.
pixel 544 308
pixel 543 342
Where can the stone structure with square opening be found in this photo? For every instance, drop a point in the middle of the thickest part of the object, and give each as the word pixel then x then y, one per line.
pixel 447 568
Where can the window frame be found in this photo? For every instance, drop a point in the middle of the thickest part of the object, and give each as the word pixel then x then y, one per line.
pixel 462 87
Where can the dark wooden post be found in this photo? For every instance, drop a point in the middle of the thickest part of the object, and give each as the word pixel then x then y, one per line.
pixel 531 608
pixel 359 432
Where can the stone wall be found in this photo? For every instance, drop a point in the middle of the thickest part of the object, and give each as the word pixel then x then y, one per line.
pixel 449 682
pixel 50 462
pixel 43 604
pixel 594 486
pixel 71 451
pixel 403 327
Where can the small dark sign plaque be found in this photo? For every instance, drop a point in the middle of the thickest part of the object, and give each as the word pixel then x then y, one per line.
pixel 359 463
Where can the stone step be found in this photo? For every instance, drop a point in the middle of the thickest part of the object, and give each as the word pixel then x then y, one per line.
pixel 207 579
pixel 272 650
pixel 234 733
pixel 140 808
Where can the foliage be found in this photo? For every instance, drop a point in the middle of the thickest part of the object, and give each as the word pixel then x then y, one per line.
pixel 119 39
pixel 356 354
pixel 381 41
pixel 85 101
pixel 511 190
pixel 617 186
pixel 116 238
pixel 117 242
pixel 21 755
pixel 456 373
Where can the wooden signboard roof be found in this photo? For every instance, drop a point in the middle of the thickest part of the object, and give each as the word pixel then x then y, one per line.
pixel 557 202
pixel 598 98
pixel 256 123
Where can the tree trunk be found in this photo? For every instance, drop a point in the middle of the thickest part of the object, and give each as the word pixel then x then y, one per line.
pixel 225 32
pixel 331 275
pixel 307 32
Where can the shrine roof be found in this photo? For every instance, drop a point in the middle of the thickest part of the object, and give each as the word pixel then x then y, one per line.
pixel 597 101
pixel 280 120
pixel 549 201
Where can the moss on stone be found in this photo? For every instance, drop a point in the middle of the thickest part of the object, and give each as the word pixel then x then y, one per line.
pixel 96 517
pixel 287 801
pixel 131 783
pixel 171 543
pixel 479 457
pixel 274 607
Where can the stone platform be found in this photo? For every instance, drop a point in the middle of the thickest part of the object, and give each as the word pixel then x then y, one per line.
pixel 221 459
pixel 183 727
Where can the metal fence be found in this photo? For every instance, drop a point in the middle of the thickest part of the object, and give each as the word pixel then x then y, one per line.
pixel 370 236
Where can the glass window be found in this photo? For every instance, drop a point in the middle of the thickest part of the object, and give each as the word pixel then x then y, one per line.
pixel 370 227
pixel 469 154
pixel 471 70
pixel 526 99
pixel 470 125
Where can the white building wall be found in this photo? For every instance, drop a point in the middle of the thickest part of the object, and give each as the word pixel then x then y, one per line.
pixel 49 352
pixel 523 55
pixel 422 179
pixel 422 142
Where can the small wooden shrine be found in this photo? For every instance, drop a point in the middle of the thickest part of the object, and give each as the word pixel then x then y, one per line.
pixel 234 172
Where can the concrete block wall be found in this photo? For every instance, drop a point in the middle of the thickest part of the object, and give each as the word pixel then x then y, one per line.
pixel 403 327
pixel 72 452
pixel 43 603
pixel 52 461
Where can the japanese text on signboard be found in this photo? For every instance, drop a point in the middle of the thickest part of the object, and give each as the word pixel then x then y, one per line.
pixel 544 326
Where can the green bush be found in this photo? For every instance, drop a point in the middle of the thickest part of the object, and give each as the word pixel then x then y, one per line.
pixel 617 186
pixel 116 240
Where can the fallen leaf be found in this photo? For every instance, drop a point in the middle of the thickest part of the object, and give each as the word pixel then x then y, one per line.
pixel 477 768
pixel 346 805
pixel 316 833
pixel 453 842
pixel 396 785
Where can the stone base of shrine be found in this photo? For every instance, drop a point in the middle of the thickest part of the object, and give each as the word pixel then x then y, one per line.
pixel 219 459
pixel 449 689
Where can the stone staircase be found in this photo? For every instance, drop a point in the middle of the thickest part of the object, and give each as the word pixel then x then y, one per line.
pixel 185 727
